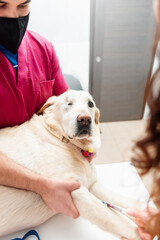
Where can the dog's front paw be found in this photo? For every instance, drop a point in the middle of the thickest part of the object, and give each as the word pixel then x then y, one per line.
pixel 131 232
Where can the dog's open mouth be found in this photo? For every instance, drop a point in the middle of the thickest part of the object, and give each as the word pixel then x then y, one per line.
pixel 83 132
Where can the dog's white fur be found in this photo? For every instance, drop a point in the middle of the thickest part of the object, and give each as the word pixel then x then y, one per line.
pixel 37 145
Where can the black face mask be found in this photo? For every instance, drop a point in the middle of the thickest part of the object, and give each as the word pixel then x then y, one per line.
pixel 12 31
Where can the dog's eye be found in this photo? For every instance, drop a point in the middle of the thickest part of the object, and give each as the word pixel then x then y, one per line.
pixel 69 104
pixel 90 104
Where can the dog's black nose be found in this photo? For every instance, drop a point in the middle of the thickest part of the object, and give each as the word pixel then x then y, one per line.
pixel 84 120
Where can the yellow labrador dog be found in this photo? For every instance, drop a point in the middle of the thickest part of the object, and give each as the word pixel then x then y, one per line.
pixel 54 144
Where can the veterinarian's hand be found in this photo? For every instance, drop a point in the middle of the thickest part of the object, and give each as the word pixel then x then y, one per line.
pixel 57 195
pixel 143 235
pixel 141 217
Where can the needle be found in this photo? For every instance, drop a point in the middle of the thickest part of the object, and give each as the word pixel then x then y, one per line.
pixel 117 208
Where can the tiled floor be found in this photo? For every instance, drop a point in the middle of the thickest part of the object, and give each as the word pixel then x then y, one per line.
pixel 116 140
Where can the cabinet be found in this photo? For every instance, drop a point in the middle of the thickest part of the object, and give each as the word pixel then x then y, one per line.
pixel 121 56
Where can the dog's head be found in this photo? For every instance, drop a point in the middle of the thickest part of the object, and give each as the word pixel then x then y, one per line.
pixel 75 112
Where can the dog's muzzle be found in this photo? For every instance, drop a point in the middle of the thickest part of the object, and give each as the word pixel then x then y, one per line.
pixel 83 125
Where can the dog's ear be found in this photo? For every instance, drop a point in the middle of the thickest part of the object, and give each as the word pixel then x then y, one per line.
pixel 50 102
pixel 97 116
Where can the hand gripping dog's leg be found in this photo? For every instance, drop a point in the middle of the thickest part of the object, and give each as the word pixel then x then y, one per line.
pixel 92 209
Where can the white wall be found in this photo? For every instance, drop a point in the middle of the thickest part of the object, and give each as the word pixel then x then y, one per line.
pixel 66 24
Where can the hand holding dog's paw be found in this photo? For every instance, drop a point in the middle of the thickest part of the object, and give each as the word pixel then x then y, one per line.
pixel 143 235
pixel 141 217
pixel 57 196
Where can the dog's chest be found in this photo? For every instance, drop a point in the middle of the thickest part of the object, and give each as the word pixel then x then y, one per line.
pixel 83 172
pixel 63 164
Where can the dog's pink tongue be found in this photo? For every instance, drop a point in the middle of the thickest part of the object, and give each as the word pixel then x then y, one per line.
pixel 91 158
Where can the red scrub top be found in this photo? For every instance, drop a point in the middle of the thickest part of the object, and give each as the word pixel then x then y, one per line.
pixel 39 76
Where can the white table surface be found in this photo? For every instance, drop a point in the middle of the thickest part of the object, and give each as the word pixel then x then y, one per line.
pixel 120 177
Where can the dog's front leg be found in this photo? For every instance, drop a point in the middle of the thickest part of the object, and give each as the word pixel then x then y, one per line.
pixel 92 209
pixel 108 195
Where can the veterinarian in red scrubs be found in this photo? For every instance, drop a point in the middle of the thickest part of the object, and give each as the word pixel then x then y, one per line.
pixel 24 90
pixel 29 75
